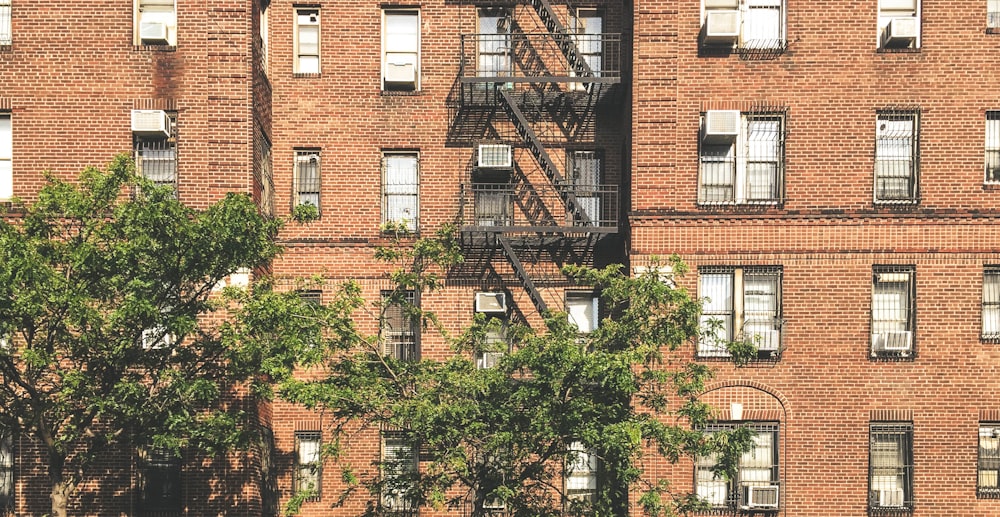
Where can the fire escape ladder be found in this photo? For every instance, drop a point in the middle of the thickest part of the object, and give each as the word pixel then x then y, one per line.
pixel 563 38
pixel 522 275
pixel 530 138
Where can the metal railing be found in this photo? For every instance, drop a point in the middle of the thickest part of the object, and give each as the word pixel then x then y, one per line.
pixel 531 57
pixel 505 206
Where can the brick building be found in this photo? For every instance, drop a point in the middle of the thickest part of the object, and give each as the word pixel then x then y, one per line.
pixel 827 170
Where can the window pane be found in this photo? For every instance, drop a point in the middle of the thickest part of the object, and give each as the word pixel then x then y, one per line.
pixel 889 307
pixel 309 40
pixel 6 137
pixel 400 174
pixel 582 309
pixel 402 32
pixel 991 303
pixel 762 27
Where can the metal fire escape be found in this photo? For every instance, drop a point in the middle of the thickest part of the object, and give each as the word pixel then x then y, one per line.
pixel 518 80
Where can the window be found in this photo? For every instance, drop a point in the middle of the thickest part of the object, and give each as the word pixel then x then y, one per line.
pixel 742 158
pixel 988 478
pixel 6 472
pixel 5 32
pixel 756 483
pixel 155 22
pixel 6 153
pixel 890 466
pixel 898 25
pixel 399 326
pixel 399 469
pixel 582 309
pixel 991 304
pixel 581 473
pixel 585 178
pixel 494 48
pixel 992 15
pixel 992 147
pixel 747 24
pixel 740 303
pixel 587 27
pixel 495 344
pixel 157 337
pixel 156 152
pixel 307 178
pixel 400 50
pixel 306 41
pixel 160 482
pixel 265 30
pixel 896 156
pixel 893 311
pixel 400 189
pixel 308 463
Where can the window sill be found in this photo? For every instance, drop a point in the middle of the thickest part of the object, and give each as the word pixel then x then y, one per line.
pixel 154 48
pixel 987 493
pixel 890 511
pixel 6 47
pixel 991 187
pixel 907 204
pixel 306 75
pixel 909 356
pixel 400 93
pixel 993 30
pixel 890 50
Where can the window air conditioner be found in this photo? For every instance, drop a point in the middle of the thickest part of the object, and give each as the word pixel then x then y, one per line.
pixel 495 156
pixel 893 341
pixel 760 497
pixel 494 503
pixel 900 32
pixel 151 123
pixel 156 338
pixel 722 26
pixel 401 73
pixel 491 302
pixel 721 125
pixel 890 498
pixel 153 33
pixel 767 340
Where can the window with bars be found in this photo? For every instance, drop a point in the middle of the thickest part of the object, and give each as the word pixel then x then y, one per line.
pixel 155 22
pixel 890 466
pixel 401 189
pixel 5 25
pixel 6 472
pixel 742 158
pixel 757 475
pixel 308 463
pixel 156 157
pixel 894 311
pixel 991 304
pixel 581 473
pixel 587 28
pixel 307 177
pixel 306 41
pixel 740 303
pixel 747 24
pixel 6 155
pixel 399 326
pixel 160 483
pixel 584 175
pixel 993 15
pixel 495 345
pixel 988 475
pixel 897 156
pixel 992 161
pixel 399 470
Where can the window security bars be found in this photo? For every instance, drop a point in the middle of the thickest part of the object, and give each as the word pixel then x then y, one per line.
pixel 890 467
pixel 991 305
pixel 161 480
pixel 5 31
pixel 399 328
pixel 988 477
pixel 993 145
pixel 6 473
pixel 757 481
pixel 897 156
pixel 307 178
pixel 156 158
pixel 742 161
pixel 401 189
pixel 893 316
pixel 399 466
pixel 581 474
pixel 308 463
pixel 741 303
pixel 993 14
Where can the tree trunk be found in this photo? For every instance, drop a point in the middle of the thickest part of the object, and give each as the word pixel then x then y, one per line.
pixel 61 487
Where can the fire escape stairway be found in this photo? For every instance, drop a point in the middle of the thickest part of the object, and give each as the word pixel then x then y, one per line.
pixel 522 275
pixel 529 137
pixel 563 38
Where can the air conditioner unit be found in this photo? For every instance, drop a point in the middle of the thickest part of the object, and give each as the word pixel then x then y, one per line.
pixel 151 123
pixel 767 340
pixel 721 126
pixel 156 338
pixel 494 503
pixel 893 341
pixel 153 33
pixel 890 498
pixel 491 302
pixel 722 26
pixel 495 156
pixel 901 32
pixel 760 497
pixel 403 73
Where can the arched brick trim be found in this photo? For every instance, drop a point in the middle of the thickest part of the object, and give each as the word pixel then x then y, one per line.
pixel 742 383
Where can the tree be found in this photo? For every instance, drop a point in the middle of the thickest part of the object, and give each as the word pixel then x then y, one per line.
pixel 556 403
pixel 106 294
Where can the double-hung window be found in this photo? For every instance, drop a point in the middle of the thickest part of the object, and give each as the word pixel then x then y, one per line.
pixel 988 477
pixel 494 48
pixel 308 463
pixel 992 147
pixel 6 153
pixel 740 303
pixel 748 24
pixel 741 157
pixel 156 150
pixel 582 309
pixel 584 175
pixel 894 311
pixel 993 15
pixel 401 189
pixel 6 472
pixel 587 27
pixel 890 466
pixel 898 24
pixel 897 155
pixel 756 485
pixel 400 49
pixel 155 22
pixel 307 177
pixel 581 474
pixel 5 32
pixel 307 38
pixel 264 26
pixel 399 326
pixel 160 489
pixel 399 469
pixel 991 304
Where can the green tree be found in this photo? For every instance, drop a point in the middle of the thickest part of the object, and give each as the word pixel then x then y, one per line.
pixel 555 400
pixel 105 297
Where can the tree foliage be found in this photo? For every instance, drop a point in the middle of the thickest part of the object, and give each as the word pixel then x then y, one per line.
pixel 106 303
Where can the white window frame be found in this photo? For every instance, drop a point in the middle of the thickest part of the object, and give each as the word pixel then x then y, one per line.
pixel 992 145
pixel 493 48
pixel 729 165
pixel 307 61
pixel 993 15
pixel 584 175
pixel 401 50
pixel 890 465
pixel 400 459
pixel 308 471
pixel 399 332
pixel 990 329
pixel 759 467
pixel 587 28
pixel 265 36
pixel 583 310
pixel 748 38
pixel 6 37
pixel 897 156
pixel 162 11
pixel 893 307
pixel 401 188
pixel 988 461
pixel 308 192
pixel 891 9
pixel 718 287
pixel 581 473
pixel 6 156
